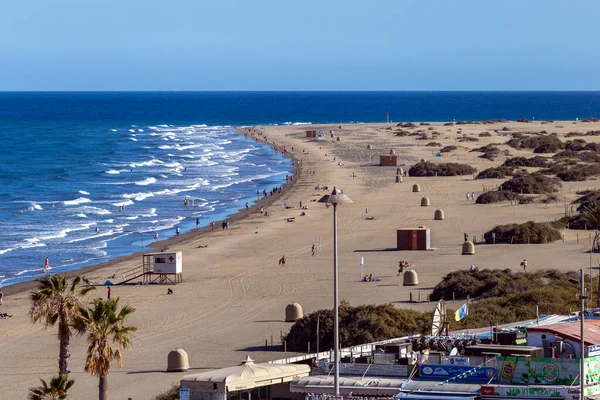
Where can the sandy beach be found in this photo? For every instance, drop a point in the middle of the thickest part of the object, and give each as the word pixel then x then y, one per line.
pixel 234 291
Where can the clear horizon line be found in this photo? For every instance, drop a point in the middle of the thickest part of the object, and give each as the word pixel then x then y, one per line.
pixel 300 91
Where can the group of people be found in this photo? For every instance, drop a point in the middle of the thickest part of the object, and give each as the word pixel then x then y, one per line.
pixel 471 196
pixel 370 278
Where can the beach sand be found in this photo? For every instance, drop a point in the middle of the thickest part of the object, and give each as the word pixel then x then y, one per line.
pixel 234 291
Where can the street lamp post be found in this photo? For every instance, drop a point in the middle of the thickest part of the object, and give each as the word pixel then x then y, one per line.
pixel 582 297
pixel 335 198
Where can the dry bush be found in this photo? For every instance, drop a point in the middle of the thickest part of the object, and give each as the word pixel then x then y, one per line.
pixel 496 196
pixel 426 168
pixel 536 183
pixel 448 149
pixel 537 161
pixel 528 232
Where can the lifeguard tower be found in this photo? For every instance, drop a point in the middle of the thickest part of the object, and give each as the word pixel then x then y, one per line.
pixel 158 268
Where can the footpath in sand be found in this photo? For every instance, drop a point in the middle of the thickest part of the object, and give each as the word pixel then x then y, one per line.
pixel 234 291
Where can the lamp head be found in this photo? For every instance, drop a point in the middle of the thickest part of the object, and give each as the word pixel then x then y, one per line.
pixel 336 197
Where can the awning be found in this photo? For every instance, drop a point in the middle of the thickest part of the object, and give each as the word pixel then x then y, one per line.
pixel 247 375
pixel 357 385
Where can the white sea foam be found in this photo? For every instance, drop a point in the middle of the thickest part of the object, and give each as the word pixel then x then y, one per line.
pixel 77 201
pixel 81 215
pixel 84 192
pixel 113 130
pixel 94 210
pixel 165 147
pixel 34 206
pixel 112 172
pixel 28 270
pixel 151 213
pixel 6 250
pixel 127 202
pixel 94 236
pixel 131 130
pixel 63 233
pixel 140 130
pixel 147 181
pixel 134 139
pixel 138 196
pixel 146 163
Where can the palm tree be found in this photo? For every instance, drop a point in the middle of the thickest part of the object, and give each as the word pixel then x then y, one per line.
pixel 104 322
pixel 55 300
pixel 58 389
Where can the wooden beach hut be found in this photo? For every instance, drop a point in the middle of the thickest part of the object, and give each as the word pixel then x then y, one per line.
pixel 413 238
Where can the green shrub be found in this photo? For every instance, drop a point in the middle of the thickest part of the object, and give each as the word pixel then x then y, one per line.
pixel 426 168
pixel 541 144
pixel 576 221
pixel 486 283
pixel 496 196
pixel 485 134
pixel 535 183
pixel 448 149
pixel 585 156
pixel 579 173
pixel 358 325
pixel 468 139
pixel 537 161
pixel 528 232
pixel 169 394
pixel 588 199
pixel 495 173
pixel 575 145
pixel 433 144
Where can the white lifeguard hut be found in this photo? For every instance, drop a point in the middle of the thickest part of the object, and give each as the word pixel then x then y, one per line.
pixel 159 268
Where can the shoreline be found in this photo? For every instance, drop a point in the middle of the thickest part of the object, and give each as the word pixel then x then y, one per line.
pixel 183 239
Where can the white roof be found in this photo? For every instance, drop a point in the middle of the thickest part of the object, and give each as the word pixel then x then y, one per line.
pixel 249 375
pixel 356 385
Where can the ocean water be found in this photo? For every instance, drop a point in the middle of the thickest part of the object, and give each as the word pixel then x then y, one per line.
pixel 86 177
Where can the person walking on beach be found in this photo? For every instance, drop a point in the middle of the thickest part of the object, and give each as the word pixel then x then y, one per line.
pixel 212 226
pixel 227 225
pixel 524 265
pixel 156 236
pixel 108 290
pixel 47 266
pixel 223 224
pixel 313 249
pixel 400 268
pixel 1 298
pixel 197 222
pixel 177 231
pixel 473 196
pixel 468 196
pixel 466 237
pixel 246 205
pixel 282 261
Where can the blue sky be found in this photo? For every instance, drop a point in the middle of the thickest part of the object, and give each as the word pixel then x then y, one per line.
pixel 299 45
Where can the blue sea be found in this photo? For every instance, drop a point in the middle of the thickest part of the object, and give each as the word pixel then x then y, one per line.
pixel 86 177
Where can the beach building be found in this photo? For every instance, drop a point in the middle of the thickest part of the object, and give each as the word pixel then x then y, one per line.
pixel 516 361
pixel 246 381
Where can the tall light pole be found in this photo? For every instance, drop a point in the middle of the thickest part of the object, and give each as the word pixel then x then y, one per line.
pixel 582 298
pixel 335 198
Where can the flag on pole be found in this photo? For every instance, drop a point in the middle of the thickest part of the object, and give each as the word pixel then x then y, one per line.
pixel 462 312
